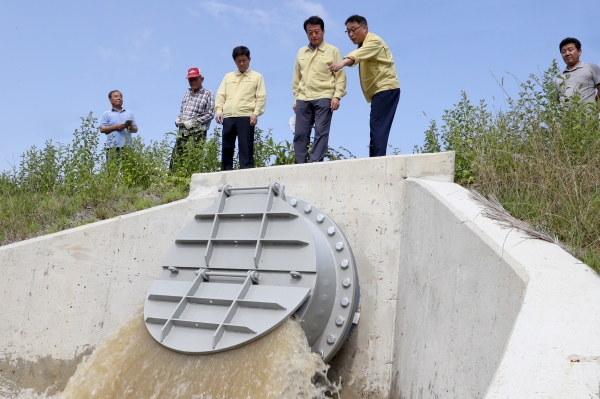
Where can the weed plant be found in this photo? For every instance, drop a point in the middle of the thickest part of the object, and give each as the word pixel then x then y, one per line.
pixel 62 186
pixel 538 156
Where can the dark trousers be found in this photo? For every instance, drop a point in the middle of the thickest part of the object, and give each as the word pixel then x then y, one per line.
pixel 114 153
pixel 317 112
pixel 383 109
pixel 237 127
pixel 181 142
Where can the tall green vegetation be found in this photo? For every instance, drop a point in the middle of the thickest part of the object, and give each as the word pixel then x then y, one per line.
pixel 66 185
pixel 538 156
pixel 61 186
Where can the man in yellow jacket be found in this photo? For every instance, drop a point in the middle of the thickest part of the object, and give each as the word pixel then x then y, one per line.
pixel 317 91
pixel 241 99
pixel 378 80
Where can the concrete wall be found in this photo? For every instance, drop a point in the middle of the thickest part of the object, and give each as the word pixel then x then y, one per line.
pixel 64 291
pixel 466 314
pixel 457 302
pixel 486 312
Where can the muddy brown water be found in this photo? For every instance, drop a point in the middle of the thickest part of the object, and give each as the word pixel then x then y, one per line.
pixel 129 363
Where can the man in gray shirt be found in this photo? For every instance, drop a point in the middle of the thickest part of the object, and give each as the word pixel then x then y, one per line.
pixel 578 77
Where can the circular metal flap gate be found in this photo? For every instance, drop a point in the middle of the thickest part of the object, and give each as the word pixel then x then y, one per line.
pixel 244 265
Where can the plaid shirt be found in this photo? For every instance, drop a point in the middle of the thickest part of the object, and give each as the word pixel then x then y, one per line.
pixel 199 107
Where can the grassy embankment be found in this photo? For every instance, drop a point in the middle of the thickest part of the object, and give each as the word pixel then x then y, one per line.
pixel 539 157
pixel 63 186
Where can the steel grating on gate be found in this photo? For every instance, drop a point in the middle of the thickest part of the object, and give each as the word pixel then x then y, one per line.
pixel 198 320
pixel 220 304
pixel 245 264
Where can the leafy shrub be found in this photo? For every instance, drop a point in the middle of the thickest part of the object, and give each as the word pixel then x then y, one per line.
pixel 62 186
pixel 539 157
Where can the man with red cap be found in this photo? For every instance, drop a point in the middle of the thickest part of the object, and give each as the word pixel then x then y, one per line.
pixel 195 114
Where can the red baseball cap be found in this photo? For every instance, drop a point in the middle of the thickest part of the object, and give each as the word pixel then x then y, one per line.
pixel 193 73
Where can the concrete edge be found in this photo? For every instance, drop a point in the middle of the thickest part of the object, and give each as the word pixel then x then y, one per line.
pixel 559 318
pixel 490 232
pixel 437 167
pixel 204 184
pixel 92 225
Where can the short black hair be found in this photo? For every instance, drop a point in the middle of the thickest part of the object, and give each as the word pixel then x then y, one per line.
pixel 240 50
pixel 356 18
pixel 113 91
pixel 570 40
pixel 314 20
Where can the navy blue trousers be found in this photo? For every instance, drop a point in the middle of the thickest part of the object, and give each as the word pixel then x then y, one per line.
pixel 237 127
pixel 383 109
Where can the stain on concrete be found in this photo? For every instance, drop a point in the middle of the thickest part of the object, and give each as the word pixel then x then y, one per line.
pixel 45 375
pixel 341 368
pixel 580 358
pixel 395 391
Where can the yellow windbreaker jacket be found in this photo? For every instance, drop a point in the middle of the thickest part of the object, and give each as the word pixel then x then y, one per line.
pixel 376 66
pixel 241 94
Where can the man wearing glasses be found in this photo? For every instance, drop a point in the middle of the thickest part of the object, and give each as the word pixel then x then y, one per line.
pixel 378 80
pixel 241 99
pixel 317 91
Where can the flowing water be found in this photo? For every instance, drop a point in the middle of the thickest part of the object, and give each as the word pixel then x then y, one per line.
pixel 129 363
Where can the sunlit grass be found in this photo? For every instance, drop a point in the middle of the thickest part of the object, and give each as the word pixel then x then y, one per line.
pixel 539 157
pixel 64 186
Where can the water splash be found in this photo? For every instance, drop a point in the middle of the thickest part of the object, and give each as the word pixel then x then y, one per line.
pixel 129 363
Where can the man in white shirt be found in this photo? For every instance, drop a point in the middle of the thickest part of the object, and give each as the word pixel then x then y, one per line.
pixel 578 77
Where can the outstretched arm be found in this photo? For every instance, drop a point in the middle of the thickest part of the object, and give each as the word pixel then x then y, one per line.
pixel 339 65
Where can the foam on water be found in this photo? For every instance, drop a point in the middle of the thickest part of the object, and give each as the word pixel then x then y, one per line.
pixel 129 363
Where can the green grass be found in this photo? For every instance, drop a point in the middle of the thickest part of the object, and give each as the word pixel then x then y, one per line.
pixel 67 185
pixel 539 157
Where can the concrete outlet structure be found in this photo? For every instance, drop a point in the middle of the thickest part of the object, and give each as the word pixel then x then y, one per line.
pixel 452 305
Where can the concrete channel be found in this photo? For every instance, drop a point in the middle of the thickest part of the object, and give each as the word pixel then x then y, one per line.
pixel 452 304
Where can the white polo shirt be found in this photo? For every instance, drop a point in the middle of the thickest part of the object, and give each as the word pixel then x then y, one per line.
pixel 582 79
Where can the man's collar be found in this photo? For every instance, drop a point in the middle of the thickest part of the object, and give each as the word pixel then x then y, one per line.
pixel 237 71
pixel 192 91
pixel 579 65
pixel 366 37
pixel 114 110
pixel 311 48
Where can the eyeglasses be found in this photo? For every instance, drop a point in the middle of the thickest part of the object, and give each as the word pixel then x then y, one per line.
pixel 352 30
